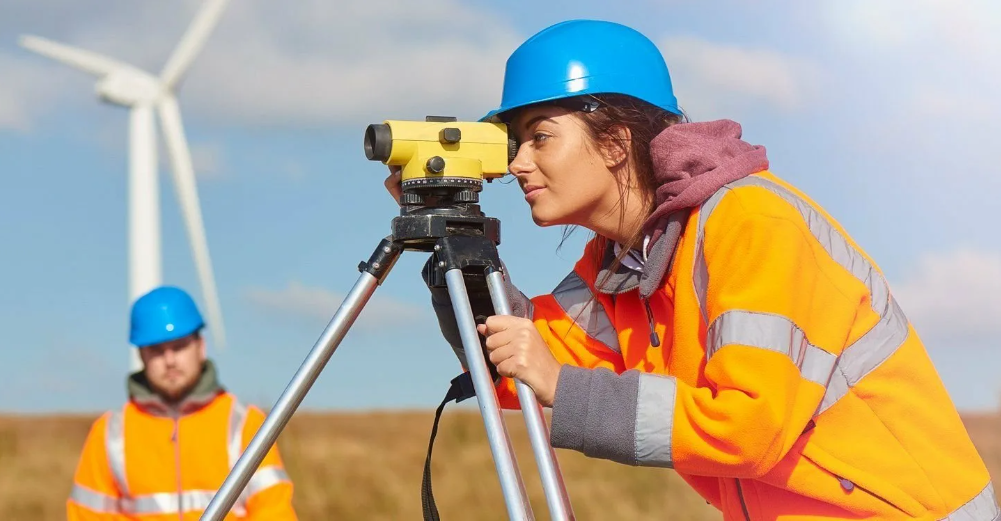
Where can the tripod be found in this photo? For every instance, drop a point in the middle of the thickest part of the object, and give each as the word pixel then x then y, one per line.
pixel 463 243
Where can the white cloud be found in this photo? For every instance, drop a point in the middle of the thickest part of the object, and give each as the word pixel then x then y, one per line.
pixel 382 313
pixel 938 102
pixel 722 78
pixel 319 63
pixel 955 297
pixel 920 79
pixel 868 26
pixel 947 50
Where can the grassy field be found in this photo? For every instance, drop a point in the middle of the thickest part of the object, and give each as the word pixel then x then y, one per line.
pixel 369 466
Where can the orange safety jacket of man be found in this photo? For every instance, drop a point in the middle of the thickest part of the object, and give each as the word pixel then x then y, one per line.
pixel 787 382
pixel 150 461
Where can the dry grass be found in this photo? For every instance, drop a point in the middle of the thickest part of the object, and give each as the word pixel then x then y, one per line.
pixel 369 466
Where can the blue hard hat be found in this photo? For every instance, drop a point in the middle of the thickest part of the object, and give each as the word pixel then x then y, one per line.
pixel 578 57
pixel 165 313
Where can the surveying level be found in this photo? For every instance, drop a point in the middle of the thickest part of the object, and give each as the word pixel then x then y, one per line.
pixel 444 163
pixel 441 154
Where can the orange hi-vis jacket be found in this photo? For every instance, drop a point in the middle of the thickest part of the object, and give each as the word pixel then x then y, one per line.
pixel 150 462
pixel 787 382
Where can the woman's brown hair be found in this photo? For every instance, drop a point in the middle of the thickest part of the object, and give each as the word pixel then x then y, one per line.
pixel 604 126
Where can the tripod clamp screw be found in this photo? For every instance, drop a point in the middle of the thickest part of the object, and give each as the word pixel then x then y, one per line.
pixel 382 259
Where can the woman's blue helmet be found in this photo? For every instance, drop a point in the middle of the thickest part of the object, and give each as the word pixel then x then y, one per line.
pixel 579 57
pixel 165 313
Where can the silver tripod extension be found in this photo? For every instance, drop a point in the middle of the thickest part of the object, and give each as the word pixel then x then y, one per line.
pixel 374 272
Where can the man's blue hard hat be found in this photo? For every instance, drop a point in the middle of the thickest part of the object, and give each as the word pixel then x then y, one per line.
pixel 579 57
pixel 165 313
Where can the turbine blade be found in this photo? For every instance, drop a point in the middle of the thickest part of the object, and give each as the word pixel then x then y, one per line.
pixel 75 57
pixel 192 42
pixel 187 195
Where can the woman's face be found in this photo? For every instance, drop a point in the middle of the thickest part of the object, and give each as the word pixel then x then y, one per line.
pixel 566 179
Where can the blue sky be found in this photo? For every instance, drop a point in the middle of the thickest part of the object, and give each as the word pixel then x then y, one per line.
pixel 883 111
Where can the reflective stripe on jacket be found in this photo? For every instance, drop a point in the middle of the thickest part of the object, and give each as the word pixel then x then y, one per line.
pixel 787 382
pixel 138 465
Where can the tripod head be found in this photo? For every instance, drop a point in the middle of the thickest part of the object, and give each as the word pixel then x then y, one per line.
pixel 443 163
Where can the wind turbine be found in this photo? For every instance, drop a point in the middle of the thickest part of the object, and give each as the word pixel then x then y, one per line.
pixel 143 94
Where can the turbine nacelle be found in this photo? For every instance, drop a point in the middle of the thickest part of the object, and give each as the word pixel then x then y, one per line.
pixel 129 88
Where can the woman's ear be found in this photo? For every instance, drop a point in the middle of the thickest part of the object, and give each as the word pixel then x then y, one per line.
pixel 615 149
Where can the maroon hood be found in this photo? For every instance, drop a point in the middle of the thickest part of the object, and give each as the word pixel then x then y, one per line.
pixel 691 161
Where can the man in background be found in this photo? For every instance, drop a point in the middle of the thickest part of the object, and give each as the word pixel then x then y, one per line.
pixel 171 446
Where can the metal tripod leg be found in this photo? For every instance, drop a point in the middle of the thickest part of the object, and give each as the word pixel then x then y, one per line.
pixel 538 432
pixel 373 273
pixel 515 496
pixel 477 254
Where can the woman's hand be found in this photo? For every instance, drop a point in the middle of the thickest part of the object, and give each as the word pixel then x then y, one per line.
pixel 393 182
pixel 518 351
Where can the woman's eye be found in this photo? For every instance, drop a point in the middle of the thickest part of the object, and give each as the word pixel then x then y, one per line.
pixel 539 137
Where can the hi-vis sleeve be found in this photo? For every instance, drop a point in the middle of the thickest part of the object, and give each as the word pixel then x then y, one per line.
pixel 94 495
pixel 575 327
pixel 777 309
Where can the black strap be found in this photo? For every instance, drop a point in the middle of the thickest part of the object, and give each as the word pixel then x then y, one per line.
pixel 461 389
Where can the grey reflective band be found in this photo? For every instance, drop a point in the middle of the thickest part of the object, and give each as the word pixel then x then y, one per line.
pixel 983 507
pixel 167 502
pixel 114 443
pixel 234 431
pixel 772 333
pixel 834 243
pixel 198 500
pixel 865 354
pixel 579 304
pixel 654 419
pixel 265 477
pixel 234 443
pixel 95 501
pixel 700 272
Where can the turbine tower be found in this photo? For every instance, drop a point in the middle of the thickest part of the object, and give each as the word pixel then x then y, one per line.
pixel 147 96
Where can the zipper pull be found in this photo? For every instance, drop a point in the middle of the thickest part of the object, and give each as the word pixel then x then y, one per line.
pixel 654 338
pixel 846 484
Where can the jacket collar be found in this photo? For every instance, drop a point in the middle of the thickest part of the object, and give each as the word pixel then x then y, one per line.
pixel 205 390
pixel 660 256
pixel 616 282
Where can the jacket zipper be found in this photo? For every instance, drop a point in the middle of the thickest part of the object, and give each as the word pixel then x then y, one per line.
pixel 177 467
pixel 654 338
pixel 743 504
